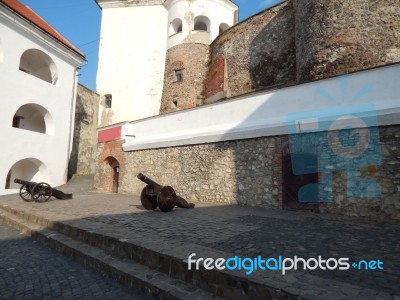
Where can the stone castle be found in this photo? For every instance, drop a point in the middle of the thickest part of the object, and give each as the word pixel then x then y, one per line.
pixel 194 54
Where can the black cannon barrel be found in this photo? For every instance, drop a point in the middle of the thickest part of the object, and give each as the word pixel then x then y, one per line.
pixel 24 182
pixel 149 182
pixel 154 195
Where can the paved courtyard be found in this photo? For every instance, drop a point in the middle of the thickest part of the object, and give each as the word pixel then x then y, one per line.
pixel 30 270
pixel 227 231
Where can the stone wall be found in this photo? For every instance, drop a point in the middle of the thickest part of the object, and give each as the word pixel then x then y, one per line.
pixel 357 176
pixel 342 36
pixel 300 41
pixel 192 60
pixel 293 42
pixel 258 53
pixel 83 156
pixel 386 175
pixel 220 172
pixel 249 172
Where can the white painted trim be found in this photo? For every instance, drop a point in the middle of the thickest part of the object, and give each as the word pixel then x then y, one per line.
pixel 266 113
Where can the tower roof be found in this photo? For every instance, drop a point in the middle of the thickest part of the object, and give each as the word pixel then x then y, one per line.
pixel 28 14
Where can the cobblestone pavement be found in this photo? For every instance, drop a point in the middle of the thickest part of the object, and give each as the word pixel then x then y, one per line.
pixel 30 270
pixel 243 231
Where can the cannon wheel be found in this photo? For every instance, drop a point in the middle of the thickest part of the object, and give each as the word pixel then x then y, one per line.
pixel 149 202
pixel 166 199
pixel 25 193
pixel 42 192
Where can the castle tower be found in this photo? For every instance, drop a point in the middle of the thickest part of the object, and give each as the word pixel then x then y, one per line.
pixel 132 53
pixel 354 35
pixel 192 26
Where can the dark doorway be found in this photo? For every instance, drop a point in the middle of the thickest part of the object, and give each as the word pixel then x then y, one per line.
pixel 294 184
pixel 114 176
pixel 115 179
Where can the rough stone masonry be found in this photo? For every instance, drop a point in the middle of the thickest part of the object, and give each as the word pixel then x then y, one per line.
pixel 249 172
pixel 293 42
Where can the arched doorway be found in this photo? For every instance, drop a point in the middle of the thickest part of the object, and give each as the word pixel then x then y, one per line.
pixel 300 181
pixel 114 164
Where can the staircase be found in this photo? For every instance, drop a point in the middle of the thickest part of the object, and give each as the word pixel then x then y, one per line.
pixel 157 274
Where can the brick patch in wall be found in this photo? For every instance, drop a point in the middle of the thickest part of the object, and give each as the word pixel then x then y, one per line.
pixel 110 155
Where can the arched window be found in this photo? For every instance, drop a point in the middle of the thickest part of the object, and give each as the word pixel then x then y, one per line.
pixel 29 169
pixel 175 27
pixel 223 27
pixel 33 117
pixel 202 23
pixel 37 63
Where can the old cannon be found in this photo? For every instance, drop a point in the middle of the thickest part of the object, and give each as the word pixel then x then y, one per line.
pixel 39 192
pixel 154 194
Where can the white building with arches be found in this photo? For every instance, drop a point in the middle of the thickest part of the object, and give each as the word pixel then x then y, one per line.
pixel 134 40
pixel 38 70
pixel 198 21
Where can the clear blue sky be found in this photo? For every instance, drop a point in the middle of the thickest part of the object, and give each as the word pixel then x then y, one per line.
pixel 79 22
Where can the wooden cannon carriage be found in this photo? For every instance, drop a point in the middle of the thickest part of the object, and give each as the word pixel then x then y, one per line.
pixel 39 192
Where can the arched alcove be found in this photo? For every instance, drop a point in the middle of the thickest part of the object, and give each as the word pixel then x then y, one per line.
pixel 175 27
pixel 37 63
pixel 29 169
pixel 33 117
pixel 223 27
pixel 202 23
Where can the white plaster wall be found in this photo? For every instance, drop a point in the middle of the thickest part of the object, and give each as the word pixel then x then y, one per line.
pixel 18 88
pixel 1 51
pixel 131 61
pixel 269 113
pixel 217 11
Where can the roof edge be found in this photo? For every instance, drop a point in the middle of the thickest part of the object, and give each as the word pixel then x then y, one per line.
pixel 24 11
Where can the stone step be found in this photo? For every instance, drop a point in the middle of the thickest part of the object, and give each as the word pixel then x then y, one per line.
pixel 151 282
pixel 223 284
pixel 169 258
